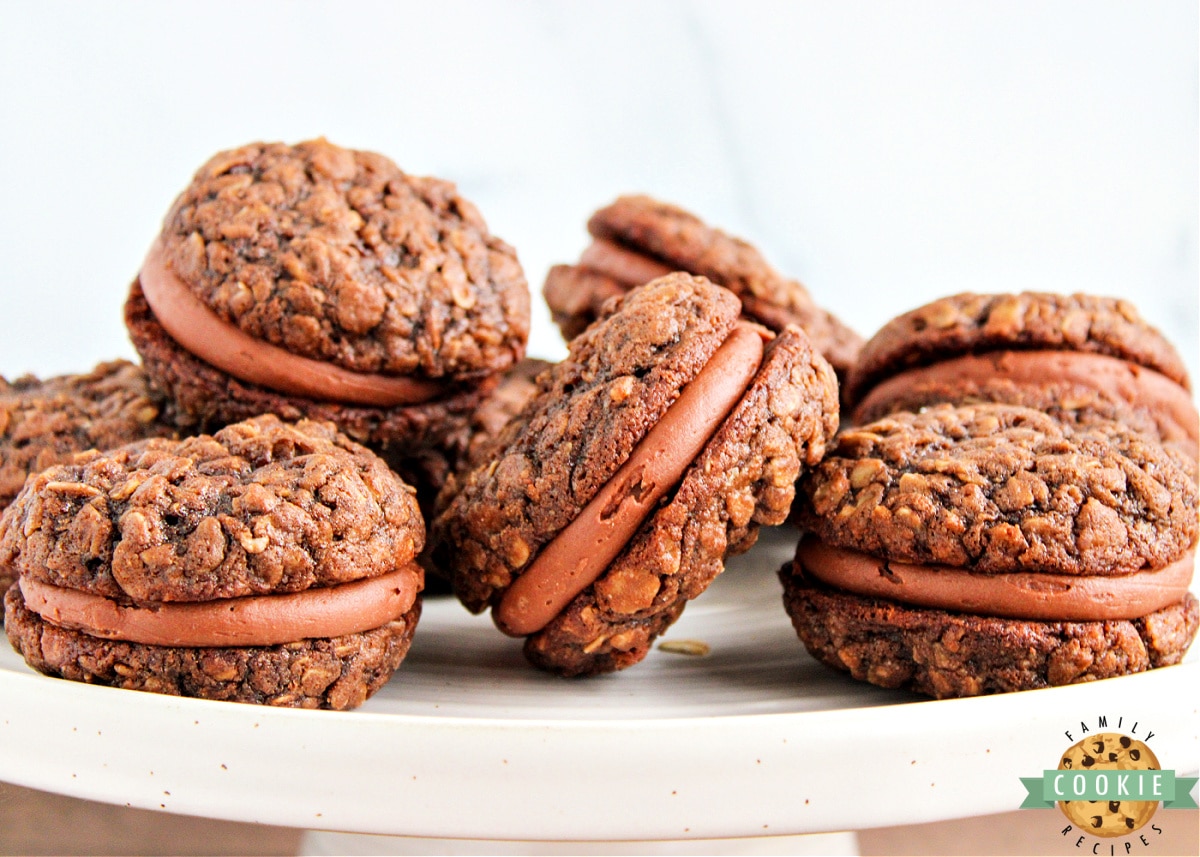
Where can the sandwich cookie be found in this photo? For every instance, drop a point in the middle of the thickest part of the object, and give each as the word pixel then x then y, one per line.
pixel 268 563
pixel 46 422
pixel 321 282
pixel 991 548
pixel 670 433
pixel 636 239
pixel 1076 356
pixel 430 469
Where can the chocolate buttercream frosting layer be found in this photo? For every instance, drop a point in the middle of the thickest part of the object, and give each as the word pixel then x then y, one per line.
pixel 1021 595
pixel 579 554
pixel 253 620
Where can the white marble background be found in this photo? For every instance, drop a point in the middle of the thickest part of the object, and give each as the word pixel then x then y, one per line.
pixel 884 153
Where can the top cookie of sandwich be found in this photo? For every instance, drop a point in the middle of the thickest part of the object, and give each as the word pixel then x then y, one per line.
pixel 337 255
pixel 260 507
pixel 995 488
pixel 639 238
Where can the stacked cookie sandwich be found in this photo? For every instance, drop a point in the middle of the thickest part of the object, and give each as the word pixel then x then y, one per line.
pixel 301 304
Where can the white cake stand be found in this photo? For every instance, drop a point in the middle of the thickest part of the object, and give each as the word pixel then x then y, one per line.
pixel 753 741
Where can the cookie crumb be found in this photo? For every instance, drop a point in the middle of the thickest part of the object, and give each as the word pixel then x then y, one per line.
pixel 694 648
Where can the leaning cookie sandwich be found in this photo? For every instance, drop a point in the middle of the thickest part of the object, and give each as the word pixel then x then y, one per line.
pixel 671 432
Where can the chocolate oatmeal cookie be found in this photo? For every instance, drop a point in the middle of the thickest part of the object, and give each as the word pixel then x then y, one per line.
pixel 1080 358
pixel 43 423
pixel 637 238
pixel 944 654
pixel 994 488
pixel 269 562
pixel 586 532
pixel 989 548
pixel 305 279
pixel 429 469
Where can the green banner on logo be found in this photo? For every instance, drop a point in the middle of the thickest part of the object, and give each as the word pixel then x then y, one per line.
pixel 1053 786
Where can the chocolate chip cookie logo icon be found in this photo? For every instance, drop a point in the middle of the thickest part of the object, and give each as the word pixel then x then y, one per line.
pixel 1108 784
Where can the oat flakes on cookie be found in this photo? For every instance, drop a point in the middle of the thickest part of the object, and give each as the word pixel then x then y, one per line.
pixel 1078 357
pixel 991 548
pixel 268 563
pixel 636 239
pixel 46 422
pixel 321 282
pixel 671 432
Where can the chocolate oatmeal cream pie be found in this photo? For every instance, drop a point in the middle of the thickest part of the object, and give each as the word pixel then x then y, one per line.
pixel 989 548
pixel 1078 357
pixel 637 238
pixel 269 563
pixel 322 282
pixel 671 432
pixel 44 422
